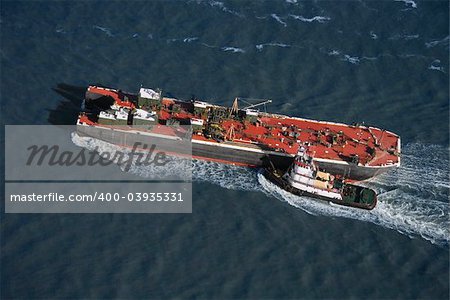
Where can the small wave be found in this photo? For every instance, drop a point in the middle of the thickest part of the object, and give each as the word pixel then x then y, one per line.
pixel 409 3
pixel 190 39
pixel 404 37
pixel 136 35
pixel 150 36
pixel 292 1
pixel 432 44
pixel 334 53
pixel 351 59
pixel 222 6
pixel 60 30
pixel 261 46
pixel 278 19
pixel 184 40
pixel 319 19
pixel 233 49
pixel 107 31
pixel 434 66
pixel 373 35
pixel 369 58
pixel 208 45
pixel 441 69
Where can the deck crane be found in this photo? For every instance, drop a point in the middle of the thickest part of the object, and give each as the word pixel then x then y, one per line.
pixel 264 102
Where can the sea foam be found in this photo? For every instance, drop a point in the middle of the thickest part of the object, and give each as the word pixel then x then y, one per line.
pixel 278 19
pixel 107 31
pixel 444 41
pixel 412 199
pixel 233 49
pixel 319 19
pixel 261 46
pixel 409 3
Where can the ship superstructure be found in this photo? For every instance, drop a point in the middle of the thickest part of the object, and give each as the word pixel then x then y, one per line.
pixel 246 136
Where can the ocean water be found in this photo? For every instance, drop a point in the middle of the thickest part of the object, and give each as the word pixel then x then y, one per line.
pixel 385 63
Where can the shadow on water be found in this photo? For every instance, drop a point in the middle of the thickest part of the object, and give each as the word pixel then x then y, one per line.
pixel 67 111
pixel 69 107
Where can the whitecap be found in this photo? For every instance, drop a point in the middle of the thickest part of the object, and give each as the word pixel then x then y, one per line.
pixel 369 58
pixel 278 19
pixel 190 39
pixel 351 59
pixel 373 35
pixel 334 53
pixel 208 45
pixel 136 35
pixel 320 19
pixel 441 69
pixel 107 31
pixel 444 41
pixel 433 66
pixel 408 3
pixel 233 49
pixel 406 37
pixel 261 46
pixel 222 6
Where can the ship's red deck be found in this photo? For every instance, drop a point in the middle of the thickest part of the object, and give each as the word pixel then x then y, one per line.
pixel 274 133
pixel 333 141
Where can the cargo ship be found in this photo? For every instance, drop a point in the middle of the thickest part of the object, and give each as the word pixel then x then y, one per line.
pixel 240 134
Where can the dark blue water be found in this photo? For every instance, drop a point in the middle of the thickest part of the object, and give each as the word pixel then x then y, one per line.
pixel 382 62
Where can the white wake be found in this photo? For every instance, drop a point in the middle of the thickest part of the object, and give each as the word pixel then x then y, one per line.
pixel 412 199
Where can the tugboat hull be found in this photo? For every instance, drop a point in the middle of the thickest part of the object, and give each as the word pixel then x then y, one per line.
pixel 273 177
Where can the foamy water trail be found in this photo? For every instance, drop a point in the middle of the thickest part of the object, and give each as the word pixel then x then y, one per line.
pixel 260 47
pixel 175 168
pixel 107 31
pixel 409 3
pixel 412 199
pixel 226 176
pixel 319 19
pixel 278 19
pixel 233 49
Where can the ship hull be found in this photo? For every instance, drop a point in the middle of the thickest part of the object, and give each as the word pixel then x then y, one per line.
pixel 231 153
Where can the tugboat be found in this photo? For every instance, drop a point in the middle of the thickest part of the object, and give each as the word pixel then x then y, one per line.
pixel 304 178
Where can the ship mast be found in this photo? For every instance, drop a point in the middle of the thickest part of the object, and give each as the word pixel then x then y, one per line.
pixel 234 108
